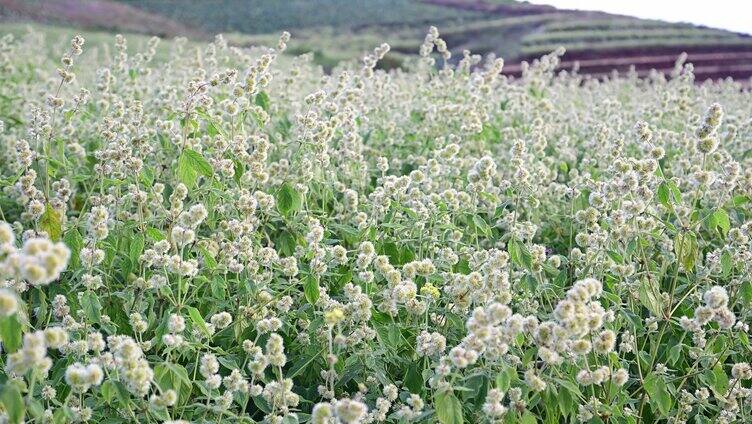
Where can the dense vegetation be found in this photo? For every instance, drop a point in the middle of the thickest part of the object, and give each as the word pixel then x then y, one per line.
pixel 265 16
pixel 215 234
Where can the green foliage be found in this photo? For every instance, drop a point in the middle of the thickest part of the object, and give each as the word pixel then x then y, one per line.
pixel 262 99
pixel 448 408
pixel 660 398
pixel 288 200
pixel 51 222
pixel 10 397
pixel 75 242
pixel 311 289
pixel 191 165
pixel 10 332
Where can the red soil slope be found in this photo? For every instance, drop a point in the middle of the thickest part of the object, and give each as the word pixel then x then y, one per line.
pixel 711 60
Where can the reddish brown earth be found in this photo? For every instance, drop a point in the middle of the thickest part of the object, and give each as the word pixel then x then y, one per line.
pixel 708 63
pixel 714 61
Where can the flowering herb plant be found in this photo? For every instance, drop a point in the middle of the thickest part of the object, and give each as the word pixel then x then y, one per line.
pixel 231 235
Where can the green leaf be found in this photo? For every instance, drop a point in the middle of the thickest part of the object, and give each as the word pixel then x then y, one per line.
pixel 173 376
pixel 262 99
pixel 286 243
pixel 35 409
pixel 482 225
pixel 718 380
pixel 155 234
pixel 75 243
pixel 51 222
pixel 91 306
pixel 121 392
pixel 13 403
pixel 649 299
pixel 477 384
pixel 198 320
pixel 212 128
pixel 108 390
pixel 528 418
pixel 675 192
pixel 674 354
pixel 722 221
pixel 191 164
pixel 189 123
pixel 198 162
pixel 569 385
pixel 311 289
pixel 303 363
pixel 413 380
pixel 663 194
pixel 218 287
pixel 147 176
pixel 565 402
pixel 615 256
pixel 262 404
pixel 739 200
pixel 655 386
pixel 185 173
pixel 391 250
pixel 209 260
pixel 62 415
pixel 685 247
pixel 726 264
pixel 668 194
pixel 519 254
pixel 290 419
pixel 504 378
pixel 288 200
pixel 448 408
pixel 11 332
pixel 239 171
pixel 745 291
pixel 136 248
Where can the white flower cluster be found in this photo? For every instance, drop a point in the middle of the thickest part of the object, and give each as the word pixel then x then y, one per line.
pixel 38 262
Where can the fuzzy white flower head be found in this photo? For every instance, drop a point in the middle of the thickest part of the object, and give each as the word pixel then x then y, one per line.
pixel 8 303
pixel 350 411
pixel 7 235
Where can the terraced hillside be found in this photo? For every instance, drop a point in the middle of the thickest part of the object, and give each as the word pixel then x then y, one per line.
pixel 597 44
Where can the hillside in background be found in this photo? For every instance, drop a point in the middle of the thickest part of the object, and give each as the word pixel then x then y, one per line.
pixel 93 14
pixel 336 30
pixel 266 16
pixel 599 43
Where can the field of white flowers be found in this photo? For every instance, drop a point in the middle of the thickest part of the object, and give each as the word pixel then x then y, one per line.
pixel 226 235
